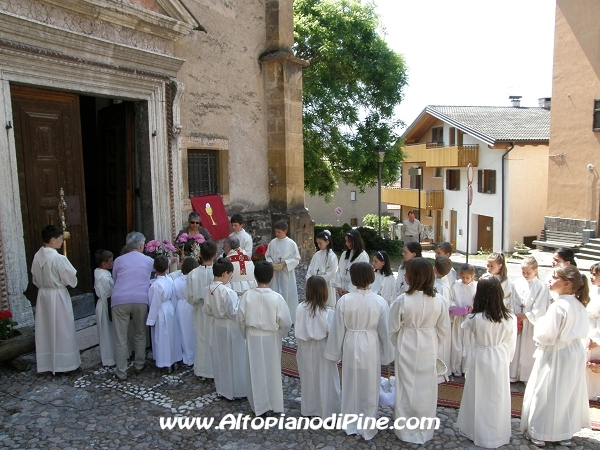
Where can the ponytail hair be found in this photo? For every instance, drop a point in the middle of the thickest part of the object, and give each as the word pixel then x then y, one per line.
pixel 581 289
pixel 498 258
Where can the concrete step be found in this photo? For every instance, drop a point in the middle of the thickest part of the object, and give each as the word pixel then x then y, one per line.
pixel 591 246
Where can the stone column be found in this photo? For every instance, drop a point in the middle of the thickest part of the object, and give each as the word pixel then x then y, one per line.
pixel 282 73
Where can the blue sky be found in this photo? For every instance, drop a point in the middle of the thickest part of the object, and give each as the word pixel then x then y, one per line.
pixel 471 52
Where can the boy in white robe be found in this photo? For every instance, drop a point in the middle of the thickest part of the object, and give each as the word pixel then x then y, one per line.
pixel 284 255
pixel 461 304
pixel 166 339
pixel 441 269
pixel 185 313
pixel 195 287
pixel 103 285
pixel 237 225
pixel 445 249
pixel 227 345
pixel 56 348
pixel 264 319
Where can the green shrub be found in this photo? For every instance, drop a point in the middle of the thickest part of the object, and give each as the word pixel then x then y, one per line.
pixel 372 241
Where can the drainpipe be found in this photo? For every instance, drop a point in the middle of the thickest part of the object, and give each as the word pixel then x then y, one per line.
pixel 512 145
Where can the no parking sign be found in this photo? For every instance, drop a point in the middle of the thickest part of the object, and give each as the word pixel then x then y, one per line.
pixel 338 211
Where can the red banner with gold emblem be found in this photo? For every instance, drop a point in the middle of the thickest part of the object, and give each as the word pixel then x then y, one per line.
pixel 212 215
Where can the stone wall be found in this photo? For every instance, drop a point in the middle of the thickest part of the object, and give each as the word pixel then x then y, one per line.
pixel 566 224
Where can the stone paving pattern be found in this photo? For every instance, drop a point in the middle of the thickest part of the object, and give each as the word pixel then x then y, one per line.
pixel 92 410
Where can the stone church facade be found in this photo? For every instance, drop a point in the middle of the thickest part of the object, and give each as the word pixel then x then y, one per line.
pixel 131 107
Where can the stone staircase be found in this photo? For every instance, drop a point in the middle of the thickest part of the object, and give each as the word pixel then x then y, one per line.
pixel 589 250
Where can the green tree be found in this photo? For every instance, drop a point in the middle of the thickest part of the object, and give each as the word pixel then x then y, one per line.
pixel 350 89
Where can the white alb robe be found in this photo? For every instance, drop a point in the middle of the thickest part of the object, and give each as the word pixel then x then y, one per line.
pixel 103 285
pixel 342 276
pixel 241 280
pixel 452 277
pixel 227 345
pixel 319 377
pixel 532 298
pixel 195 288
pixel 442 287
pixel 593 309
pixel 185 319
pixel 264 319
pixel 284 281
pixel 461 339
pixel 555 405
pixel 56 348
pixel 245 240
pixel 401 286
pixel 324 263
pixel 359 337
pixel 418 326
pixel 166 337
pixel 484 414
pixel 385 287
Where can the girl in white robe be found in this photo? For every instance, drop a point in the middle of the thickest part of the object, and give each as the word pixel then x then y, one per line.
pixel 185 313
pixel 418 323
pixel 496 266
pixel 593 354
pixel 359 337
pixel 530 302
pixel 324 264
pixel 555 405
pixel 195 288
pixel 411 250
pixel 103 286
pixel 166 339
pixel 319 377
pixel 355 253
pixel 461 304
pixel 484 414
pixel 385 283
pixel 227 345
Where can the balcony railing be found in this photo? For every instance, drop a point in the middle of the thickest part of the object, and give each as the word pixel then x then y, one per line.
pixel 434 155
pixel 410 197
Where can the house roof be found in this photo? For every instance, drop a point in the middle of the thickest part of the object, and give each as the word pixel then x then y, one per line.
pixel 491 124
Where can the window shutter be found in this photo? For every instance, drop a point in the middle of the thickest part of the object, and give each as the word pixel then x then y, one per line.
pixel 480 181
pixel 457 182
pixel 448 179
pixel 493 181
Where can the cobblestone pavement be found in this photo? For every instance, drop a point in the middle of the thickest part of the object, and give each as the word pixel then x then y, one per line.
pixel 92 410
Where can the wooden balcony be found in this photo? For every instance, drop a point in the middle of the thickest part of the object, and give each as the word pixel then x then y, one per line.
pixel 410 198
pixel 439 156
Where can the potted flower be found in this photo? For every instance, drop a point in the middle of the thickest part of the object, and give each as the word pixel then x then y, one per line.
pixel 7 325
pixel 521 248
pixel 259 253
pixel 154 248
pixel 13 342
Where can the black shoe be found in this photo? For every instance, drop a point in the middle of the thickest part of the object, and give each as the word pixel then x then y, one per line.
pixel 138 371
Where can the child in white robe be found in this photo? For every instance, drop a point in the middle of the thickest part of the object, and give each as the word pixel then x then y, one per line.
pixel 195 288
pixel 496 266
pixel 283 253
pixel 166 340
pixel 445 249
pixel 56 348
pixel 324 264
pixel 264 319
pixel 593 354
pixel 530 302
pixel 418 323
pixel 411 250
pixel 555 404
pixel 461 304
pixel 354 253
pixel 237 225
pixel 484 414
pixel 227 345
pixel 185 313
pixel 103 286
pixel 359 337
pixel 385 283
pixel 319 377
pixel 441 268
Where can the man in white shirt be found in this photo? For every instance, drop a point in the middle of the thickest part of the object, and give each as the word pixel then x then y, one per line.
pixel 411 228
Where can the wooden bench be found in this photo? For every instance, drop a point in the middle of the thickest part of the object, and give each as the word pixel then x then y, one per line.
pixel 558 239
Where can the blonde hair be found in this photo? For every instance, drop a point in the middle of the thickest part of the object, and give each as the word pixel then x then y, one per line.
pixel 530 261
pixel 570 273
pixel 498 258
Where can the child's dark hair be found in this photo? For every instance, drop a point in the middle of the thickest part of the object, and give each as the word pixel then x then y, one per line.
pixel 188 265
pixel 316 294
pixel 102 256
pixel 446 247
pixel 263 272
pixel 567 255
pixel 413 247
pixel 362 274
pixel 281 225
pixel 419 276
pixel 161 264
pixel 237 218
pixel 498 258
pixel 51 231
pixel 595 269
pixel 466 268
pixel 581 289
pixel 208 250
pixel 325 235
pixel 443 265
pixel 221 266
pixel 386 270
pixel 489 300
pixel 357 245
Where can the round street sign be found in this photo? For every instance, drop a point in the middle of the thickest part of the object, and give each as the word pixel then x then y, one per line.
pixel 338 211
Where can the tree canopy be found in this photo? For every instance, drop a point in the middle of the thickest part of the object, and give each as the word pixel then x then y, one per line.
pixel 350 89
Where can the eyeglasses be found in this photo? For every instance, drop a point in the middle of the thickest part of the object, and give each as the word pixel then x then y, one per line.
pixel 194 223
